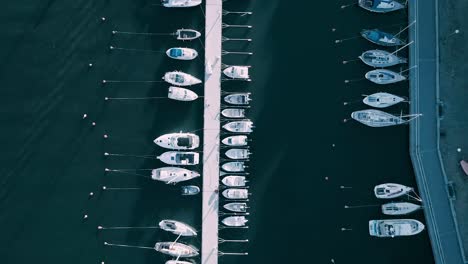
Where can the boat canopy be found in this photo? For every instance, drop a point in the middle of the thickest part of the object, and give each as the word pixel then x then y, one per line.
pixel 176 52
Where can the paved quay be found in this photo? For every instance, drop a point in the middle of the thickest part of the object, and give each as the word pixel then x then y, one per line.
pixel 211 132
pixel 424 133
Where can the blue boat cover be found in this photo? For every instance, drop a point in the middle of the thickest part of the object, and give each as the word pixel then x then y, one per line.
pixel 175 52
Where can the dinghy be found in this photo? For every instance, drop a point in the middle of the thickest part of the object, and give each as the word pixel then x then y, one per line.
pixel 176 249
pixel 236 194
pixel 381 58
pixel 234 166
pixel 395 227
pixel 181 3
pixel 173 175
pixel 234 181
pixel 382 100
pixel 235 221
pixel 244 126
pixel 238 153
pixel 187 34
pixel 178 141
pixel 464 166
pixel 237 72
pixel 189 190
pixel 177 228
pixel 233 113
pixel 181 94
pixel 235 141
pixel 180 78
pixel 236 207
pixel 179 158
pixel 382 76
pixel 181 53
pixel 238 98
pixel 381 38
pixel 400 208
pixel 391 190
pixel 380 6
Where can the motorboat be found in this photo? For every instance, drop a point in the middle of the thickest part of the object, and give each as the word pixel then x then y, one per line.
pixel 381 58
pixel 399 208
pixel 237 72
pixel 178 141
pixel 236 207
pixel 377 118
pixel 382 76
pixel 181 3
pixel 233 113
pixel 381 38
pixel 236 194
pixel 187 34
pixel 179 158
pixel 173 175
pixel 464 165
pixel 172 261
pixel 234 166
pixel 182 53
pixel 190 190
pixel 181 94
pixel 235 141
pixel 380 6
pixel 395 227
pixel 180 78
pixel 382 100
pixel 234 181
pixel 235 221
pixel 244 126
pixel 237 153
pixel 177 228
pixel 391 190
pixel 238 98
pixel 176 249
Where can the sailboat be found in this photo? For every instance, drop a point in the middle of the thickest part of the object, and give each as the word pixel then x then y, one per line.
pixel 176 249
pixel 391 190
pixel 382 76
pixel 380 6
pixel 172 261
pixel 177 228
pixel 377 118
pixel 381 58
pixel 181 3
pixel 382 100
pixel 178 141
pixel 181 94
pixel 173 175
pixel 395 227
pixel 180 78
pixel 399 208
pixel 381 38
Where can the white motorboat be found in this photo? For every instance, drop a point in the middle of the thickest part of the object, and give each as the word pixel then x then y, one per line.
pixel 180 78
pixel 234 181
pixel 187 34
pixel 395 227
pixel 399 208
pixel 235 221
pixel 176 249
pixel 182 53
pixel 181 3
pixel 177 228
pixel 236 194
pixel 381 58
pixel 237 72
pixel 179 158
pixel 236 207
pixel 233 113
pixel 377 118
pixel 391 190
pixel 238 98
pixel 380 6
pixel 244 126
pixel 173 175
pixel 178 141
pixel 178 262
pixel 382 100
pixel 235 141
pixel 234 166
pixel 238 153
pixel 181 94
pixel 382 76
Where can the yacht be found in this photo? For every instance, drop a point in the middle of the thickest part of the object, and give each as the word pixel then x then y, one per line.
pixel 395 227
pixel 236 194
pixel 237 72
pixel 178 141
pixel 382 76
pixel 173 175
pixel 177 228
pixel 391 190
pixel 180 78
pixel 187 34
pixel 181 94
pixel 190 190
pixel 381 58
pixel 380 6
pixel 233 113
pixel 238 98
pixel 234 166
pixel 181 3
pixel 176 249
pixel 238 153
pixel 382 100
pixel 377 118
pixel 234 181
pixel 236 207
pixel 244 126
pixel 235 141
pixel 399 208
pixel 381 38
pixel 182 53
pixel 235 221
pixel 179 158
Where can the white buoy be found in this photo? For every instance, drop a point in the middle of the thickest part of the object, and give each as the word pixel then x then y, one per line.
pixel 104 187
pixel 90 65
pixel 103 19
pixel 105 136
pixel 85 216
pixel 91 194
pixel 93 123
pixel 458 150
pixel 84 116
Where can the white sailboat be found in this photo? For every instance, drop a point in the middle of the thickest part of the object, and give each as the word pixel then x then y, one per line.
pixel 180 78
pixel 173 175
pixel 237 72
pixel 178 262
pixel 238 153
pixel 179 158
pixel 395 227
pixel 236 194
pixel 381 58
pixel 233 113
pixel 399 208
pixel 377 118
pixel 235 141
pixel 234 181
pixel 178 141
pixel 179 53
pixel 382 100
pixel 236 207
pixel 187 34
pixel 181 3
pixel 382 76
pixel 176 249
pixel 391 190
pixel 181 94
pixel 177 228
pixel 235 221
pixel 244 126
pixel 234 166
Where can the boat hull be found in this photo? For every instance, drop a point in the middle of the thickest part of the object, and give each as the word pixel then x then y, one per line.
pixel 181 94
pixel 236 207
pixel 180 78
pixel 391 190
pixel 177 228
pixel 382 76
pixel 235 141
pixel 395 227
pixel 401 208
pixel 385 6
pixel 178 141
pixel 180 4
pixel 380 58
pixel 376 118
pixel 381 38
pixel 382 100
pixel 173 175
pixel 234 166
pixel 239 127
pixel 176 249
pixel 237 154
pixel 233 113
pixel 179 158
pixel 187 53
pixel 234 181
pixel 187 34
pixel 235 194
